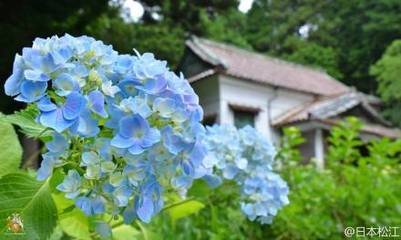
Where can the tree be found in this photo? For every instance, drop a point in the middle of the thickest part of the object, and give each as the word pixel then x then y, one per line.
pixel 166 24
pixel 165 42
pixel 387 71
pixel 356 31
pixel 22 21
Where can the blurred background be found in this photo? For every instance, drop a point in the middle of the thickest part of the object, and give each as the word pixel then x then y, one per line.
pixel 345 174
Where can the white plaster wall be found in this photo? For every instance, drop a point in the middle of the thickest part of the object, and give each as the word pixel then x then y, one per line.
pixel 249 94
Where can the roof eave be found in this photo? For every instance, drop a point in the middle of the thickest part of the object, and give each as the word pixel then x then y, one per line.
pixel 203 53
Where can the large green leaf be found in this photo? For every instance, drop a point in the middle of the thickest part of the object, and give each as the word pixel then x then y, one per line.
pixel 10 149
pixel 124 232
pixel 183 209
pixel 31 199
pixel 72 220
pixel 25 119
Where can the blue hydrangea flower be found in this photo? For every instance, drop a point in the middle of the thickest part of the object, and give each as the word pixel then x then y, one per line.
pixel 126 121
pixel 58 144
pixel 246 157
pixel 39 65
pixel 65 84
pixel 31 91
pixel 95 165
pixel 12 86
pixel 109 89
pixel 103 229
pixel 61 118
pixel 96 103
pixel 149 202
pixel 149 72
pixel 91 205
pixel 71 184
pixel 135 134
pixel 49 162
pixel 57 147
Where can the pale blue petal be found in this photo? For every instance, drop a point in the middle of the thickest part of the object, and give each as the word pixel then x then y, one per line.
pixel 73 106
pixel 13 83
pixel 85 205
pixel 88 126
pixel 152 137
pixel 136 149
pixel 129 87
pixel 96 102
pixel 98 205
pixel 36 76
pixel 46 105
pixel 65 84
pixel 55 120
pixel 182 182
pixel 122 142
pixel 133 126
pixel 129 215
pixel 145 209
pixel 58 144
pixel 45 170
pixel 33 91
pixel 103 229
pixel 89 158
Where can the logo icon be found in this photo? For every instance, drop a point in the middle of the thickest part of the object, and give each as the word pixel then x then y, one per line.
pixel 14 223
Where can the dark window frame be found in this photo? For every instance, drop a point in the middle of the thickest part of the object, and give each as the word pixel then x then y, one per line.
pixel 252 112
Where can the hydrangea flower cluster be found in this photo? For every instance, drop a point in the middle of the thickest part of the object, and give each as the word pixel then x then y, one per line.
pixel 246 157
pixel 125 128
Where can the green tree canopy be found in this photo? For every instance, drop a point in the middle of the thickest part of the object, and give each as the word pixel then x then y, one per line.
pixel 387 71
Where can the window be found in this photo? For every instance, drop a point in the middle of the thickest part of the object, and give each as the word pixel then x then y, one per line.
pixel 243 118
pixel 209 120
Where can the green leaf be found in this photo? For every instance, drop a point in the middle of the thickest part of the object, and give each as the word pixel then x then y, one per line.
pixel 124 232
pixel 199 189
pixel 184 209
pixel 72 221
pixel 10 149
pixel 56 179
pixel 75 224
pixel 31 199
pixel 25 119
pixel 57 234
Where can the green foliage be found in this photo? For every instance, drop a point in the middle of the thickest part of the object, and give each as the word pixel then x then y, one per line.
pixel 324 203
pixel 345 142
pixel 353 35
pixel 288 153
pixel 72 221
pixel 22 194
pixel 10 149
pixel 25 120
pixel 315 55
pixel 225 28
pixel 353 191
pixel 125 232
pixel 220 219
pixel 165 41
pixel 183 209
pixel 387 71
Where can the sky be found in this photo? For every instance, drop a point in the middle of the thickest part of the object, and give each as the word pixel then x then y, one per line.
pixel 134 10
pixel 245 5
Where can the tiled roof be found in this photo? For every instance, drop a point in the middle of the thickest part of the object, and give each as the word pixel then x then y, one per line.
pixel 260 68
pixel 326 110
pixel 375 129
pixel 329 107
